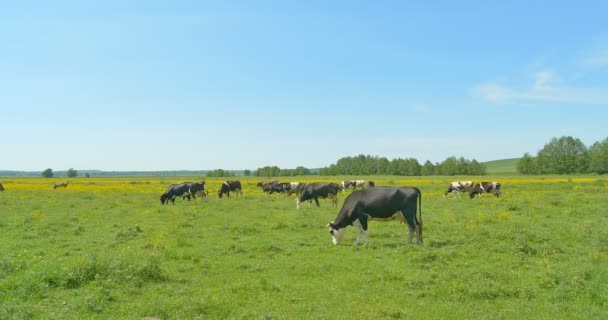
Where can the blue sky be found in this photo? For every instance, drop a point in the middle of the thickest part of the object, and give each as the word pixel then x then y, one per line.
pixel 169 85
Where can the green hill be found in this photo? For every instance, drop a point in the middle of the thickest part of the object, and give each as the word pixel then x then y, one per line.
pixel 502 166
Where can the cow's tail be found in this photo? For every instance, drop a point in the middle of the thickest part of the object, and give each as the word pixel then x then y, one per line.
pixel 419 216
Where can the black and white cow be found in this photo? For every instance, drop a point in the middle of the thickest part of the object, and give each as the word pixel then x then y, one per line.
pixel 2 187
pixel 228 186
pixel 181 189
pixel 483 187
pixel 457 187
pixel 379 203
pixel 198 187
pixel 280 187
pixel 295 187
pixel 359 184
pixel 314 191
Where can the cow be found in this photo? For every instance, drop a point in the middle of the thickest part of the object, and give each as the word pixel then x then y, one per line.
pixel 197 187
pixel 228 186
pixel 265 184
pixel 318 190
pixel 60 185
pixel 358 184
pixel 457 187
pixel 371 184
pixel 295 188
pixel 2 187
pixel 345 184
pixel 181 189
pixel 379 203
pixel 482 187
pixel 280 187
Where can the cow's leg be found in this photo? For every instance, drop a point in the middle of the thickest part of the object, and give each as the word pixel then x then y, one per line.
pixel 363 226
pixel 410 218
pixel 317 201
pixel 457 193
pixel 359 230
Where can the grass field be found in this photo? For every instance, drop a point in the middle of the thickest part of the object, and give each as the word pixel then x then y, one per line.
pixel 104 248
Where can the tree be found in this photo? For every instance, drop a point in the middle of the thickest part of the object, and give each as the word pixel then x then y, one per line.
pixel 72 173
pixel 598 154
pixel 527 165
pixel 247 172
pixel 562 156
pixel 428 169
pixel 48 173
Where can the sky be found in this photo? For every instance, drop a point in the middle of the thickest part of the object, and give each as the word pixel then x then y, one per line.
pixel 198 85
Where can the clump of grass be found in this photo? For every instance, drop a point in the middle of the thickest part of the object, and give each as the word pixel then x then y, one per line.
pixel 526 249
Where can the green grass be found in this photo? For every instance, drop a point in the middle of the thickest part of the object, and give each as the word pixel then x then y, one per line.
pixel 106 248
pixel 502 166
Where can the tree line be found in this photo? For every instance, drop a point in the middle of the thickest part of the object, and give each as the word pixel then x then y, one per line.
pixel 566 155
pixel 374 165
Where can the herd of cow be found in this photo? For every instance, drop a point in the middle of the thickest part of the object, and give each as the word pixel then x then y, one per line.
pixel 473 188
pixel 361 206
pixel 367 202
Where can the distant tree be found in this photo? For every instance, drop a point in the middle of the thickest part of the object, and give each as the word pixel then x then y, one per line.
pixel 598 154
pixel 247 172
pixel 428 169
pixel 71 173
pixel 527 165
pixel 48 173
pixel 218 173
pixel 449 167
pixel 87 175
pixel 562 156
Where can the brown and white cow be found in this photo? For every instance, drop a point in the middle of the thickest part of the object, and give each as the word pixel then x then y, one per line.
pixel 485 187
pixel 457 187
pixel 355 184
pixel 265 184
pixel 60 185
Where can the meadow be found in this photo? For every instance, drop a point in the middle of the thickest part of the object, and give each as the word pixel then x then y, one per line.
pixel 104 248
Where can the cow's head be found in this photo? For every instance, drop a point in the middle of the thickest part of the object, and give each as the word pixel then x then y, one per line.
pixel 336 234
pixel 219 194
pixel 163 198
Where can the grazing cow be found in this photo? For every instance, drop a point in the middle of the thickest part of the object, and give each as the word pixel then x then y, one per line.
pixel 345 184
pixel 295 188
pixel 482 187
pixel 197 187
pixel 228 186
pixel 265 184
pixel 280 187
pixel 379 203
pixel 181 189
pixel 457 187
pixel 60 185
pixel 318 190
pixel 2 187
pixel 358 184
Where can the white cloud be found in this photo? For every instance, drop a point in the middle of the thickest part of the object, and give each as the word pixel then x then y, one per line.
pixel 543 79
pixel 599 59
pixel 543 89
